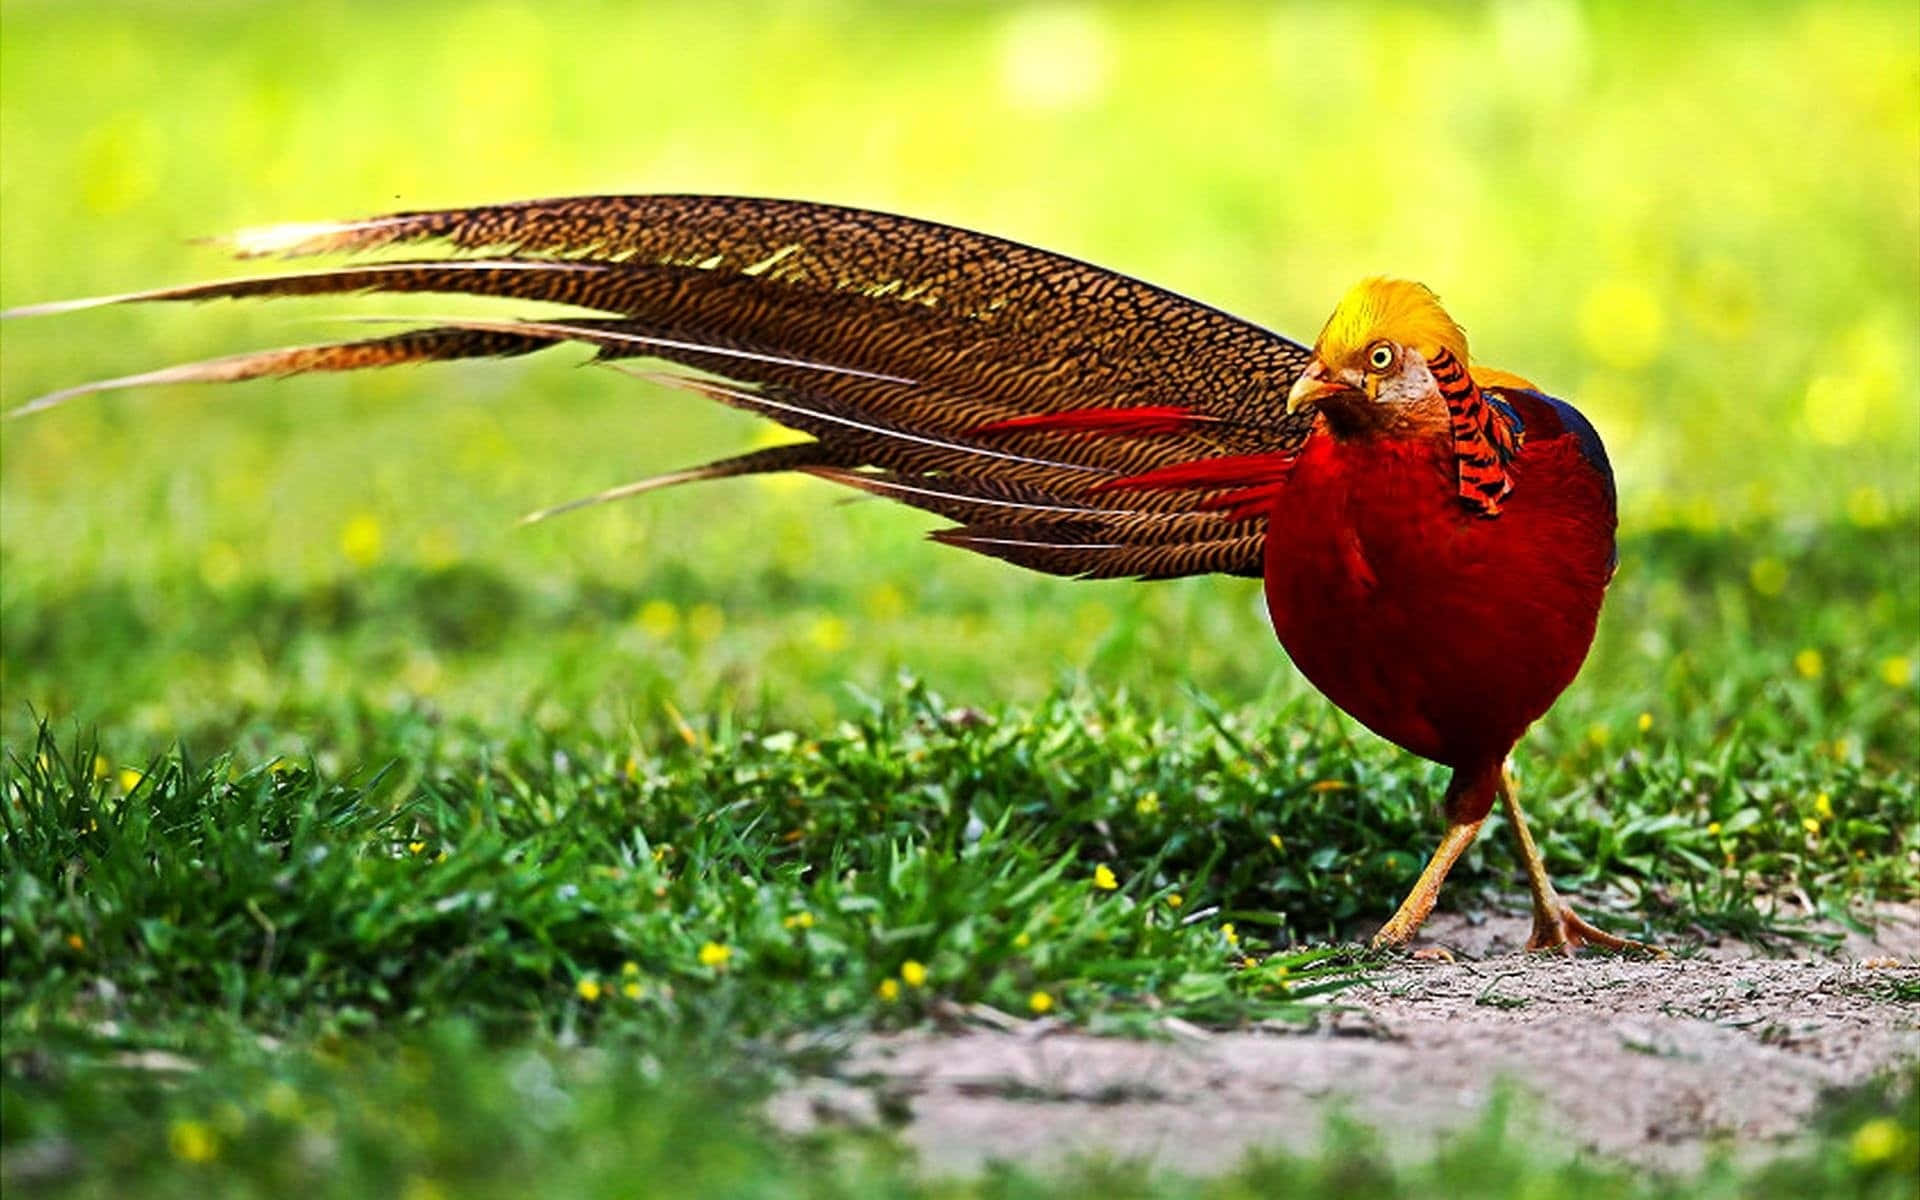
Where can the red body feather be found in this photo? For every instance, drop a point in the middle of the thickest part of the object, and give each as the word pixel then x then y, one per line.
pixel 1436 628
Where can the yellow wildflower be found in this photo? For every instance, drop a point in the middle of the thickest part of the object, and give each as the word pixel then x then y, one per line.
pixel 705 621
pixel 1175 900
pixel 1148 804
pixel 129 779
pixel 889 990
pixel 1823 806
pixel 360 540
pixel 1040 1003
pixel 1273 839
pixel 1878 1141
pixel 1022 940
pixel 629 970
pixel 1768 576
pixel 1809 663
pixel 588 990
pixel 799 920
pixel 1103 878
pixel 632 990
pixel 658 618
pixel 193 1141
pixel 715 955
pixel 914 973
pixel 1646 721
pixel 1897 671
pixel 828 634
pixel 1227 931
pixel 1713 828
pixel 1811 826
pixel 415 847
pixel 281 1100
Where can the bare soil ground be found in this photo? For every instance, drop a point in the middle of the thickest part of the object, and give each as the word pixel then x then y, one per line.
pixel 1652 1062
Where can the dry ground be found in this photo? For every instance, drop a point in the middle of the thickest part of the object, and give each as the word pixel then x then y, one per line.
pixel 1654 1062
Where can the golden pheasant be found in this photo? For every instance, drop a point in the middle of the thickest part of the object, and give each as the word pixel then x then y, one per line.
pixel 1435 538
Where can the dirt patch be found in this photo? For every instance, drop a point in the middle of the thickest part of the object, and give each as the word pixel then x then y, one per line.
pixel 1650 1062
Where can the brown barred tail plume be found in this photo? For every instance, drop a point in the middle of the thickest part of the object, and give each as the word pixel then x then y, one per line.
pixel 916 355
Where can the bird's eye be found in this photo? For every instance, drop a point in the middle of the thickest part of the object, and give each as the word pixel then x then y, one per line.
pixel 1380 357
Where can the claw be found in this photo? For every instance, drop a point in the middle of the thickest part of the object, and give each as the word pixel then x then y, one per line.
pixel 1563 931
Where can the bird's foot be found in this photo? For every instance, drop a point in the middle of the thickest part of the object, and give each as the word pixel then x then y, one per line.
pixel 1560 930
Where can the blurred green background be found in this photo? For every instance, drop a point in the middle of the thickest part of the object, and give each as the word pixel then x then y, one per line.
pixel 1703 225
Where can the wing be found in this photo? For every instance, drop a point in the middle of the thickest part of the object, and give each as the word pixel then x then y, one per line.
pixel 1068 418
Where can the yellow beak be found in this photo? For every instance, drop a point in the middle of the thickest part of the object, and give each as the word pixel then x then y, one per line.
pixel 1315 384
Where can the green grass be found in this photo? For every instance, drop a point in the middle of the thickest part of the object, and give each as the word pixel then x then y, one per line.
pixel 326 780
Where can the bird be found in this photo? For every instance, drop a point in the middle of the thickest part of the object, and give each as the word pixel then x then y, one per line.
pixel 1435 537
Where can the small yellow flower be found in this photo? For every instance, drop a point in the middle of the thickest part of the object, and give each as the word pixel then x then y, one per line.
pixel 1148 804
pixel 632 990
pixel 588 990
pixel 715 955
pixel 1227 931
pixel 1897 671
pixel 658 618
pixel 129 779
pixel 1040 1003
pixel 360 540
pixel 913 973
pixel 889 990
pixel 1103 878
pixel 1273 839
pixel 1713 828
pixel 629 970
pixel 799 920
pixel 1823 806
pixel 1022 940
pixel 76 942
pixel 1646 721
pixel 1809 663
pixel 829 634
pixel 705 621
pixel 1878 1141
pixel 415 847
pixel 1175 900
pixel 193 1141
pixel 281 1100
pixel 1811 826
pixel 1768 576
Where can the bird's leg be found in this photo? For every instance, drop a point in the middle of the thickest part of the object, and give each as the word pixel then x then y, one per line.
pixel 1469 798
pixel 1555 925
pixel 1412 913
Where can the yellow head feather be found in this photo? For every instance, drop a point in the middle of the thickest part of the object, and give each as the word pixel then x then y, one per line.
pixel 1397 310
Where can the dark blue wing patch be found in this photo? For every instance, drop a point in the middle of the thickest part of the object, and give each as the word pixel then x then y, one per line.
pixel 1583 431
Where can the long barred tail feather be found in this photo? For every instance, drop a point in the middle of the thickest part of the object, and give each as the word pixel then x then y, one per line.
pixel 1071 419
